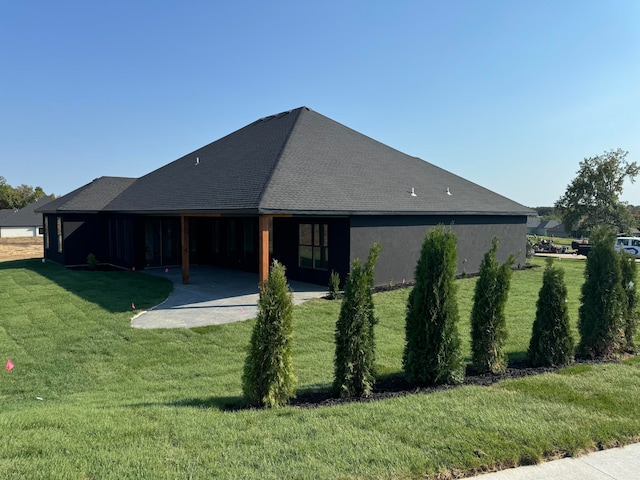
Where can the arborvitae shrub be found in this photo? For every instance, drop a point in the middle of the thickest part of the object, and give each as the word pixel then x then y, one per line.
pixel 334 285
pixel 628 269
pixel 488 320
pixel 268 379
pixel 354 336
pixel 600 316
pixel 551 342
pixel 432 352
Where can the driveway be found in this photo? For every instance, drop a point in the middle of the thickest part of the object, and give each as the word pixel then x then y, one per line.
pixel 215 296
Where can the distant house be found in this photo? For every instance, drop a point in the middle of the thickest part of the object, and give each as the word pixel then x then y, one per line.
pixel 25 222
pixel 546 228
pixel 297 187
pixel 555 229
pixel 5 212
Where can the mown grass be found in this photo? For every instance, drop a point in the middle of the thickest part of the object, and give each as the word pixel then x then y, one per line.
pixel 124 403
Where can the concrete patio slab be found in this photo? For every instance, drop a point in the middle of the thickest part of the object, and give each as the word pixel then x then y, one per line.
pixel 214 296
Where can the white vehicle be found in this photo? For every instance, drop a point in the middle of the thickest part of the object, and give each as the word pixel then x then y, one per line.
pixel 628 244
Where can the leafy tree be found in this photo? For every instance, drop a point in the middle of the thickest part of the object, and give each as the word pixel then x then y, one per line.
pixel 600 316
pixel 6 194
pixel 19 197
pixel 488 320
pixel 551 342
pixel 592 198
pixel 628 270
pixel 268 379
pixel 547 213
pixel 355 340
pixel 432 352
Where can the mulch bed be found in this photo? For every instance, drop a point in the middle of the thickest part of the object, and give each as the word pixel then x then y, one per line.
pixel 395 386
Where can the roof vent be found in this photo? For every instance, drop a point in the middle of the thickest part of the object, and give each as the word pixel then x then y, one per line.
pixel 448 191
pixel 197 160
pixel 413 192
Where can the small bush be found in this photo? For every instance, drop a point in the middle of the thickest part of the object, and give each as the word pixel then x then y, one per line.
pixel 355 341
pixel 628 270
pixel 432 352
pixel 268 379
pixel 488 321
pixel 92 261
pixel 334 286
pixel 551 341
pixel 600 316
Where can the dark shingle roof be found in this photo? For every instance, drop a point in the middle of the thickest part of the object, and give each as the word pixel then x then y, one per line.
pixel 299 162
pixel 5 212
pixel 27 216
pixel 326 166
pixel 92 197
pixel 227 175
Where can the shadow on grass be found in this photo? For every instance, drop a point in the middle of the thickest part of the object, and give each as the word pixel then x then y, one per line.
pixel 114 291
pixel 225 404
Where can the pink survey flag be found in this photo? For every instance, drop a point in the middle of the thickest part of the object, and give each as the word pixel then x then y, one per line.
pixel 10 365
pixel 241 310
pixel 133 305
pixel 166 270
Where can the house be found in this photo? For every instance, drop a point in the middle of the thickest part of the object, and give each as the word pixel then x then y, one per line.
pixel 297 187
pixel 24 222
pixel 546 228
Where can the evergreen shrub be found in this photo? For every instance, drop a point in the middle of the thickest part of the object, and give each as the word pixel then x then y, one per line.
pixel 488 320
pixel 268 379
pixel 334 285
pixel 600 316
pixel 432 352
pixel 628 269
pixel 354 336
pixel 551 342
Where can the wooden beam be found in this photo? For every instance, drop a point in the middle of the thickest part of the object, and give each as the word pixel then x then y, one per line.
pixel 185 248
pixel 263 248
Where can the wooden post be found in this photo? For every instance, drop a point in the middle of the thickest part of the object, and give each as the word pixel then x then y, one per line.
pixel 263 248
pixel 185 248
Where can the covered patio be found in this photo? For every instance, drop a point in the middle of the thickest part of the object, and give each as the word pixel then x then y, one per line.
pixel 214 296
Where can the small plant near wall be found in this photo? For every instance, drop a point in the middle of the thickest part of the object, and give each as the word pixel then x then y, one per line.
pixel 92 261
pixel 334 286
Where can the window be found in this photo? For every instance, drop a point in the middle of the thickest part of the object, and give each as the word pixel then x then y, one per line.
pixel 46 232
pixel 313 246
pixel 59 231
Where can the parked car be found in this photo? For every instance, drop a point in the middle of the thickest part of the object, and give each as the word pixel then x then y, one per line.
pixel 628 244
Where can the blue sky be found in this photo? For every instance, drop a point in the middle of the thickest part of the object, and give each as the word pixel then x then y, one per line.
pixel 511 95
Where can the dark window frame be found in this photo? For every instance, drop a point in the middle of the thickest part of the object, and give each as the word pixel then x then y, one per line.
pixel 59 233
pixel 313 246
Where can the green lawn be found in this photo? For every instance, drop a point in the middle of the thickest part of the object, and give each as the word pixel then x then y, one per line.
pixel 123 403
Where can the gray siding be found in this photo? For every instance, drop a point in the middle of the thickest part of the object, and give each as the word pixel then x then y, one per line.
pixel 402 237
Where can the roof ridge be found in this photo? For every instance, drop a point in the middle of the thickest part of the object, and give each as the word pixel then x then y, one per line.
pixel 298 111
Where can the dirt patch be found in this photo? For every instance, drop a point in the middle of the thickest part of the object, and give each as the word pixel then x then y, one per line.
pixel 21 248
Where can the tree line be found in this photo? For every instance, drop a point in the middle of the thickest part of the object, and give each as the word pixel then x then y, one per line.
pixel 15 198
pixel 607 321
